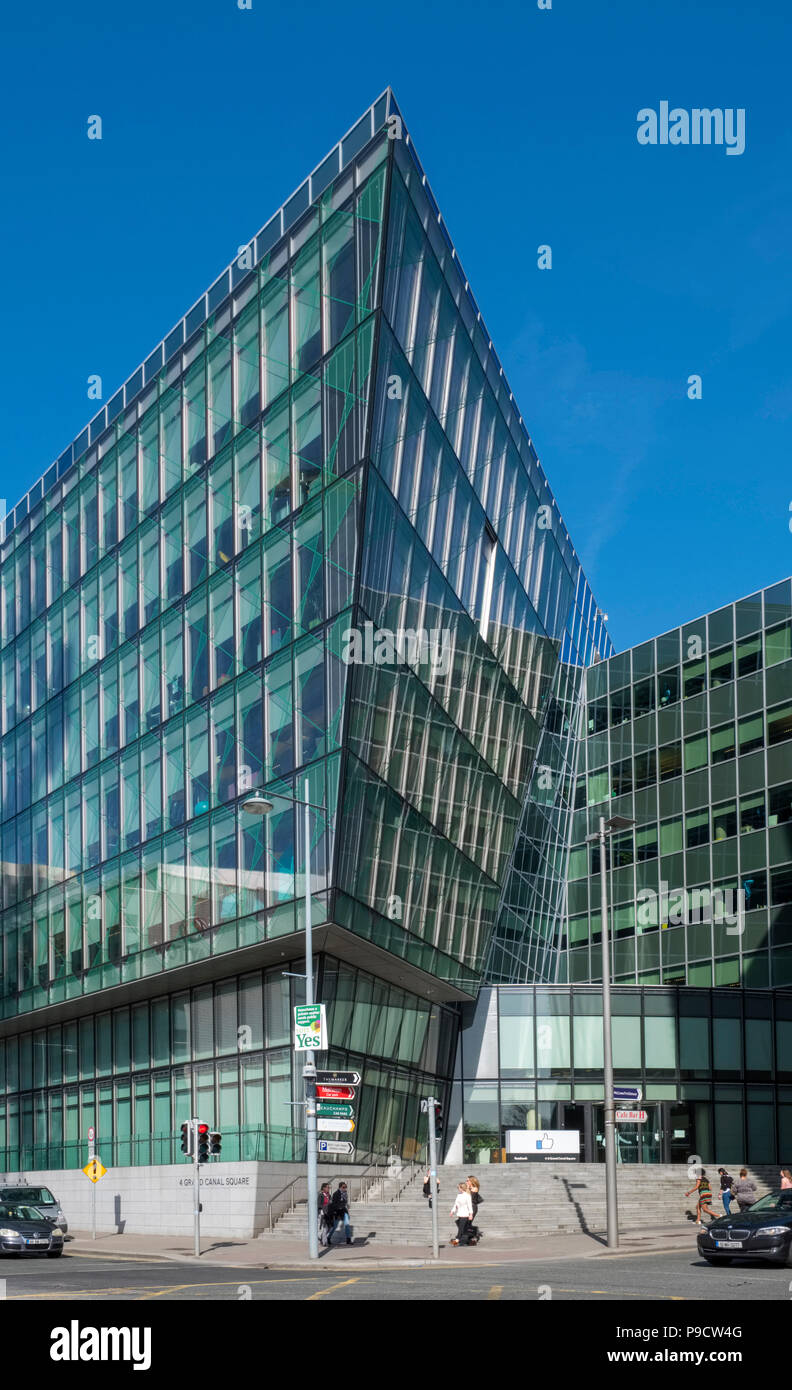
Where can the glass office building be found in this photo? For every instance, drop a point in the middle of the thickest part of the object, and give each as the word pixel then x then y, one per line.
pixel 308 540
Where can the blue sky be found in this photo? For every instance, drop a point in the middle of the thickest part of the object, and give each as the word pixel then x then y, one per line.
pixel 667 260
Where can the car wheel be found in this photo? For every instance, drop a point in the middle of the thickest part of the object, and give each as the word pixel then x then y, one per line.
pixel 54 1254
pixel 718 1260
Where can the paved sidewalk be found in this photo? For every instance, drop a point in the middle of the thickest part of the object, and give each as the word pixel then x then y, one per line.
pixel 274 1253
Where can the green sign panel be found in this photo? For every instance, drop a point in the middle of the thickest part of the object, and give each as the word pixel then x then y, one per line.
pixel 335 1112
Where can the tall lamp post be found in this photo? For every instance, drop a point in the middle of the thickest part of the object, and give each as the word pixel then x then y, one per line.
pixel 607 828
pixel 258 804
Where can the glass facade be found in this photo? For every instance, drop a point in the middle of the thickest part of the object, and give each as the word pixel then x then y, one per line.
pixel 324 446
pixel 715 1068
pixel 222 1049
pixel 690 735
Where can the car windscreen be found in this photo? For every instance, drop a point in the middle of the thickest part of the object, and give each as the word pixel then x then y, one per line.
pixel 774 1201
pixel 28 1194
pixel 20 1211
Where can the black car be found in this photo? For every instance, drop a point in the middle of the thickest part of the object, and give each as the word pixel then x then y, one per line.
pixel 763 1232
pixel 25 1231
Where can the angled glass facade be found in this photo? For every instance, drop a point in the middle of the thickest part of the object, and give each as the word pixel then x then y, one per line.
pixel 325 448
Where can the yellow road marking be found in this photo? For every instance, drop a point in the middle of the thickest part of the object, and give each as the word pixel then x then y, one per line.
pixel 152 1293
pixel 495 1291
pixel 320 1293
pixel 217 1284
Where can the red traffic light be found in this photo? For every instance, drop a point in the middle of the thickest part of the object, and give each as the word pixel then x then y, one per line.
pixel 203 1129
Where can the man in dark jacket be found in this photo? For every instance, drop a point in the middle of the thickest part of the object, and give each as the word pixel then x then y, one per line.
pixel 339 1211
pixel 727 1183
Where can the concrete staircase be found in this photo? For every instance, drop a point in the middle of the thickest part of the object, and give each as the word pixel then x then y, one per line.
pixel 523 1200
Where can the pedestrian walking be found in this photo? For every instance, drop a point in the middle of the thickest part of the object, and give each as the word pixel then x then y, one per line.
pixel 703 1203
pixel 462 1211
pixel 744 1191
pixel 427 1188
pixel 474 1234
pixel 726 1183
pixel 338 1213
pixel 323 1205
pixel 786 1177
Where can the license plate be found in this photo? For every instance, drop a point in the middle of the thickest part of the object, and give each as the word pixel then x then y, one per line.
pixel 729 1244
pixel 43 1241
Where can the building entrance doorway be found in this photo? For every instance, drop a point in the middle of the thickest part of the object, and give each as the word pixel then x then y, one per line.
pixel 661 1138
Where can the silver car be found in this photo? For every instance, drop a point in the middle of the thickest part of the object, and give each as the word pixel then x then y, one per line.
pixel 40 1197
pixel 25 1231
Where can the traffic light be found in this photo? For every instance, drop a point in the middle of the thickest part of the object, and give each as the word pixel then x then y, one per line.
pixel 438 1120
pixel 203 1143
pixel 215 1142
pixel 186 1139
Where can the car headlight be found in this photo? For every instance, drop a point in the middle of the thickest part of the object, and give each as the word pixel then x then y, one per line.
pixel 773 1231
pixel 5 1231
pixel 56 1231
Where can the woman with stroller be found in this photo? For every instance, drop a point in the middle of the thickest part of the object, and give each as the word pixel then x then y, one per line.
pixel 473 1232
pixel 462 1211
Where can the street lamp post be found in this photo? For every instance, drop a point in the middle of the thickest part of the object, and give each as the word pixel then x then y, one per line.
pixel 606 828
pixel 259 805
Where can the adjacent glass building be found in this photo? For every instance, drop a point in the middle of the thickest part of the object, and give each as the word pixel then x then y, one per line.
pixel 310 538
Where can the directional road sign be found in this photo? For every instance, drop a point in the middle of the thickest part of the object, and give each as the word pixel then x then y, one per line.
pixel 335 1092
pixel 628 1095
pixel 336 1146
pixel 95 1169
pixel 338 1078
pixel 331 1110
pixel 631 1117
pixel 336 1126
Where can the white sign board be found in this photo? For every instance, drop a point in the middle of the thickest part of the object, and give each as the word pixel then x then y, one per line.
pixel 336 1146
pixel 542 1145
pixel 310 1028
pixel 631 1117
pixel 335 1126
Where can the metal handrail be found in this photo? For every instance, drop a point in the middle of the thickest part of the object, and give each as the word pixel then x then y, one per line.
pixel 414 1165
pixel 290 1204
pixel 288 1188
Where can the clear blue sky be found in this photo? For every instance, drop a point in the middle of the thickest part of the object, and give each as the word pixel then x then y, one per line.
pixel 667 261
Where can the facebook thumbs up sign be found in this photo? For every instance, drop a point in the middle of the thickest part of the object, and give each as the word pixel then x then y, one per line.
pixel 545 1142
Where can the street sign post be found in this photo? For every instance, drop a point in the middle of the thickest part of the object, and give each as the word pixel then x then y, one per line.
pixel 94 1169
pixel 338 1078
pixel 335 1126
pixel 335 1093
pixel 335 1146
pixel 310 1028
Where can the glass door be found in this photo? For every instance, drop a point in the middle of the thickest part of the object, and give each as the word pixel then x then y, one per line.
pixel 635 1143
